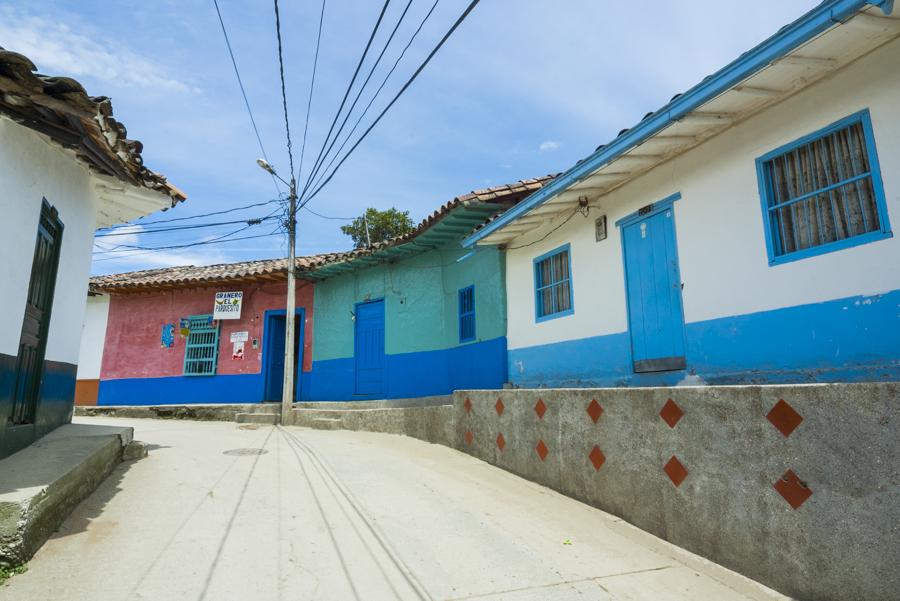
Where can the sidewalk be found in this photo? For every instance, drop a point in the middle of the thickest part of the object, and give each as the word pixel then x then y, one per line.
pixel 345 515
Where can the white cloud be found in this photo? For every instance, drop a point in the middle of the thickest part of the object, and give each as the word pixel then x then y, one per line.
pixel 549 146
pixel 58 50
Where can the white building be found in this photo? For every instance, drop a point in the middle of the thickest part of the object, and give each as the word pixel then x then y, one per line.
pixel 66 168
pixel 741 233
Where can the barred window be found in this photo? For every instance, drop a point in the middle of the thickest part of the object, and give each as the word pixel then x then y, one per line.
pixel 823 190
pixel 467 314
pixel 553 284
pixel 202 349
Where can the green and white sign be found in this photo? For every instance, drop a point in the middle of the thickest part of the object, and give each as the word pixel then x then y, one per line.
pixel 228 305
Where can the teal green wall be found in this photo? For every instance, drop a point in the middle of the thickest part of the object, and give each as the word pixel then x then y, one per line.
pixel 420 296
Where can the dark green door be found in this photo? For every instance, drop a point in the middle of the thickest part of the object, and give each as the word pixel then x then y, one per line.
pixel 33 342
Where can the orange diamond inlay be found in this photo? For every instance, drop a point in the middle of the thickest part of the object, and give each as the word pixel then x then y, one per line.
pixel 468 405
pixel 676 471
pixel 469 437
pixel 501 442
pixel 597 457
pixel 594 410
pixel 784 417
pixel 671 413
pixel 793 489
pixel 541 449
pixel 499 407
pixel 540 408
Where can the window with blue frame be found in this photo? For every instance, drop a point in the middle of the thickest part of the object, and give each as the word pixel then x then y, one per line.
pixel 201 351
pixel 823 192
pixel 553 284
pixel 467 314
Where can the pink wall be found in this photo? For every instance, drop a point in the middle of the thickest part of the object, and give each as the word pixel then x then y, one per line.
pixel 133 347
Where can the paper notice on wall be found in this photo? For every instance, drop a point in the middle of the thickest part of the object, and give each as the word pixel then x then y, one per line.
pixel 240 336
pixel 238 351
pixel 167 338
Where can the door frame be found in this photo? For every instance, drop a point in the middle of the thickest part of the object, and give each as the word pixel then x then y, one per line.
pixel 646 212
pixel 268 319
pixel 356 306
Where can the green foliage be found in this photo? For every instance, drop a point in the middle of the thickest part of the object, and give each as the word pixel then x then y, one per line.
pixel 7 572
pixel 383 226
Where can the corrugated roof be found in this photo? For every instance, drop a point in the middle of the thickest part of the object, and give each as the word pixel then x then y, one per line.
pixel 477 207
pixel 60 108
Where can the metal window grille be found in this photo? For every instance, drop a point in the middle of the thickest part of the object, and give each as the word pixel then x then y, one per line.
pixel 467 314
pixel 821 191
pixel 553 284
pixel 202 349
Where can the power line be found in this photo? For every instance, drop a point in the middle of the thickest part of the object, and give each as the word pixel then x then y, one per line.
pixel 152 250
pixel 377 92
pixel 458 22
pixel 251 221
pixel 287 124
pixel 362 89
pixel 232 210
pixel 347 92
pixel 237 74
pixel 312 83
pixel 329 217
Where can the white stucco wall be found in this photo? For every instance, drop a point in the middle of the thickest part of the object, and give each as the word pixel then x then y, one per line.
pixel 93 336
pixel 31 168
pixel 719 222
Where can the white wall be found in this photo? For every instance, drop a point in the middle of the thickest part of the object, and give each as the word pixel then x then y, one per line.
pixel 93 336
pixel 719 222
pixel 31 168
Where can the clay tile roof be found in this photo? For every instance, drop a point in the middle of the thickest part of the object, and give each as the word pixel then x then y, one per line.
pixel 60 108
pixel 276 269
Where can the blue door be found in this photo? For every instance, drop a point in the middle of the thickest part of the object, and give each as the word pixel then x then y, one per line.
pixel 369 348
pixel 273 356
pixel 653 286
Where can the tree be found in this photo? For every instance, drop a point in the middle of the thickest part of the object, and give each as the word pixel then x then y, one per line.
pixel 383 226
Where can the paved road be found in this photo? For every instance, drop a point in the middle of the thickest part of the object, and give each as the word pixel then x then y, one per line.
pixel 344 516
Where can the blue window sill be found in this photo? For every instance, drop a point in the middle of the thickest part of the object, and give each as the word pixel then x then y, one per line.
pixel 555 315
pixel 830 247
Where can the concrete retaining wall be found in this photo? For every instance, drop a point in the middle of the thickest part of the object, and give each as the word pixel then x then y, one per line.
pixel 221 413
pixel 797 487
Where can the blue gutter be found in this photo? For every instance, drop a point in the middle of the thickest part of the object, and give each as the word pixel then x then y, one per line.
pixel 788 39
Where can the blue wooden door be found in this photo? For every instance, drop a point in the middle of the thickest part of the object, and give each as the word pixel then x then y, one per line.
pixel 369 351
pixel 274 353
pixel 653 284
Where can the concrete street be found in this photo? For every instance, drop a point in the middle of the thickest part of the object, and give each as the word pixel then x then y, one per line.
pixel 344 516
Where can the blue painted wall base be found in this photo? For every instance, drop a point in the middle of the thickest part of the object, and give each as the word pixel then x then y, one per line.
pixel 852 339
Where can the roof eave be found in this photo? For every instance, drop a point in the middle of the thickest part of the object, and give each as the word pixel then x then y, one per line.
pixel 782 43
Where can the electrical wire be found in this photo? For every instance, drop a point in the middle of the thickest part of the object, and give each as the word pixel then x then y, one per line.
pixel 329 217
pixel 287 124
pixel 347 92
pixel 253 221
pixel 377 92
pixel 232 210
pixel 312 83
pixel 152 250
pixel 362 88
pixel 458 22
pixel 237 74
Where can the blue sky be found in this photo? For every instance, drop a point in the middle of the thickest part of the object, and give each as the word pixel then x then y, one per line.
pixel 524 88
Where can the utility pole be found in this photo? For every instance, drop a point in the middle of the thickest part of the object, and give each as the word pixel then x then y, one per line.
pixel 287 395
pixel 287 392
pixel 366 221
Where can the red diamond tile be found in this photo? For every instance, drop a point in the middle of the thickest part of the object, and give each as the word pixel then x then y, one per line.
pixel 784 417
pixel 671 413
pixel 594 410
pixel 469 437
pixel 499 407
pixel 541 449
pixel 540 408
pixel 793 489
pixel 501 442
pixel 468 405
pixel 675 471
pixel 597 457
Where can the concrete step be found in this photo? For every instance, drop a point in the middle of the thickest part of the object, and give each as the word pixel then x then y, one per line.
pixel 324 423
pixel 256 418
